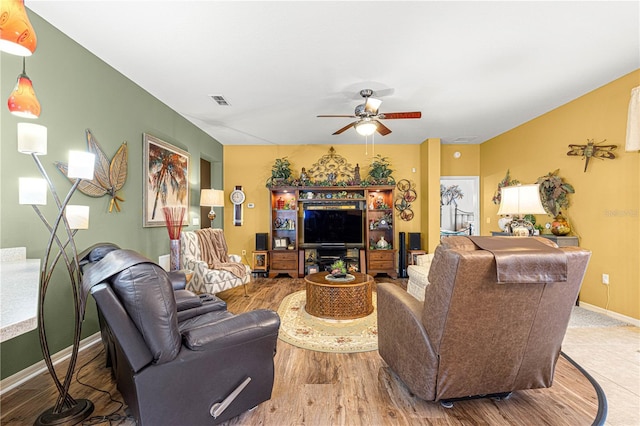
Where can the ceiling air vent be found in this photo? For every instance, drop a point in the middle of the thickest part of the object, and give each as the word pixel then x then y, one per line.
pixel 220 100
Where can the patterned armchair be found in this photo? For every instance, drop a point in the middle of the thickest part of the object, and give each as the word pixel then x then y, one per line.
pixel 211 280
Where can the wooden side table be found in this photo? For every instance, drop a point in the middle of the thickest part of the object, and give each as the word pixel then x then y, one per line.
pixel 412 254
pixel 260 261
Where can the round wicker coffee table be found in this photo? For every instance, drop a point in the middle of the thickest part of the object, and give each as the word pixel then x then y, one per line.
pixel 339 300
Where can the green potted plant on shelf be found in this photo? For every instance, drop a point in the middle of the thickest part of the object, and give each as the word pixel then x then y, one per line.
pixel 379 171
pixel 280 172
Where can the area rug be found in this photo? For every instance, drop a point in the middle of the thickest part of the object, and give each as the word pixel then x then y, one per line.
pixel 581 318
pixel 300 329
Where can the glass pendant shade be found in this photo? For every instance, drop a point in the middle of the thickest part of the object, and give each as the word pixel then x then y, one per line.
pixel 17 36
pixel 23 101
pixel 366 128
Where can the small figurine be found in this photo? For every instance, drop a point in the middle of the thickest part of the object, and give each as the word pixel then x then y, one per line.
pixel 304 178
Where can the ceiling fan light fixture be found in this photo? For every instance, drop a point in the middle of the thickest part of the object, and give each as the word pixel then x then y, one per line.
pixel 372 105
pixel 366 127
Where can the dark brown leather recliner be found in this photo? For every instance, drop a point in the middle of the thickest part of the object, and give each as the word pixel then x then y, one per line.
pixel 202 370
pixel 188 304
pixel 492 320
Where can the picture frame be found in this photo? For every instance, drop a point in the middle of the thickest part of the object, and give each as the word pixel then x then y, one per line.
pixel 162 187
pixel 260 261
pixel 280 243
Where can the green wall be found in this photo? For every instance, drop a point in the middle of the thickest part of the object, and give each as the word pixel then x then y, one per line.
pixel 79 91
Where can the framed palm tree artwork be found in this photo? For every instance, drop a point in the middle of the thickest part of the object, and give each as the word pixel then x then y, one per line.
pixel 166 180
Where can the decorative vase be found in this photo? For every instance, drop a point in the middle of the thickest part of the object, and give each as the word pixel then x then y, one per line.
pixel 560 225
pixel 280 204
pixel 174 256
pixel 503 222
pixel 382 243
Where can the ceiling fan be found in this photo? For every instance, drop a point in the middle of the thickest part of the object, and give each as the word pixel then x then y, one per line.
pixel 368 116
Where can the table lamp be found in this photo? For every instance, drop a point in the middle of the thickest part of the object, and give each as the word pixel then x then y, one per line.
pixel 212 198
pixel 520 200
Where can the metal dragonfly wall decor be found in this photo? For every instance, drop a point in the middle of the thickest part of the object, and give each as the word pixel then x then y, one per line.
pixel 592 150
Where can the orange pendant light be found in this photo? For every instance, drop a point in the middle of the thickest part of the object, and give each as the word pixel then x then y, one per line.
pixel 17 36
pixel 23 101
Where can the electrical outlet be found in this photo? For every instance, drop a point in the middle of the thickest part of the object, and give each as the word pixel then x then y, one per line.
pixel 605 279
pixel 244 252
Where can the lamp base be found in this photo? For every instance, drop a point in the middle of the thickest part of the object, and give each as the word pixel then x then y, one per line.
pixel 72 416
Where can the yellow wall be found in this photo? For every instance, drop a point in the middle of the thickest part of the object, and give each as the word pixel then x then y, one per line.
pixel 250 166
pixel 604 210
pixel 430 154
pixel 467 164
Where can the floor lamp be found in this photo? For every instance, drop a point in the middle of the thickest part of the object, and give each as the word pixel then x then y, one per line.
pixel 32 140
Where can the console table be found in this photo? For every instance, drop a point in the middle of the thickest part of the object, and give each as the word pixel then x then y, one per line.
pixel 561 241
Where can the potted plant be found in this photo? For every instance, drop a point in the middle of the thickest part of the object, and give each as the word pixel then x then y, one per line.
pixel 280 172
pixel 379 171
pixel 338 269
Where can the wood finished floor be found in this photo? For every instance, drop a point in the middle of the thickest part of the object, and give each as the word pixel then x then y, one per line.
pixel 314 388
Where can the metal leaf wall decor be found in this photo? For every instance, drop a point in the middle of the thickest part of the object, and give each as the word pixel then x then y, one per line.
pixel 109 175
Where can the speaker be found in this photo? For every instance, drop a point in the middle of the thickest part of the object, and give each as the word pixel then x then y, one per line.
pixel 402 256
pixel 261 241
pixel 414 241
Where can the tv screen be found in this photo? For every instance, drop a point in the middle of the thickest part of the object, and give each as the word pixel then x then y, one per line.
pixel 333 226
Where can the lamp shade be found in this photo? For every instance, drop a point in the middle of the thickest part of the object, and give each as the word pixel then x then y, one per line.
pixel 81 165
pixel 77 216
pixel 23 101
pixel 212 197
pixel 17 36
pixel 32 191
pixel 521 200
pixel 32 139
pixel 366 127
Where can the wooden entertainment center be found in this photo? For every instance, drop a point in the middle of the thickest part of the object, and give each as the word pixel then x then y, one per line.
pixel 342 210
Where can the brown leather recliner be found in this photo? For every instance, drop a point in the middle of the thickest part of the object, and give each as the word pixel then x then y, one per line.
pixel 188 304
pixel 492 320
pixel 203 370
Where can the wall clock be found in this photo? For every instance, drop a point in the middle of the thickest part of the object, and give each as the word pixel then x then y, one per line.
pixel 237 198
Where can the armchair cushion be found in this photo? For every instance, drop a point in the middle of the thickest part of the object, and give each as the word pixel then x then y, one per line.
pixel 205 279
pixel 419 276
pixel 152 309
pixel 231 331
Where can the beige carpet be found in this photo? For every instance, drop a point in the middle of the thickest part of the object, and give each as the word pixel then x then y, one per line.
pixel 317 334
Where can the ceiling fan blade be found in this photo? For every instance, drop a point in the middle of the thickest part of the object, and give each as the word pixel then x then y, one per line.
pixel 393 115
pixel 382 129
pixel 346 116
pixel 348 126
pixel 372 105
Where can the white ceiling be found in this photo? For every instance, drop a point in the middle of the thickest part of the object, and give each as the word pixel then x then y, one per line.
pixel 474 69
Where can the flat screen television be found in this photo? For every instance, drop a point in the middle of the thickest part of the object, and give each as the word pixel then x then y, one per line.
pixel 327 226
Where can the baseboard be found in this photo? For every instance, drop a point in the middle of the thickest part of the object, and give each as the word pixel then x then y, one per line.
pixel 619 317
pixel 30 372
